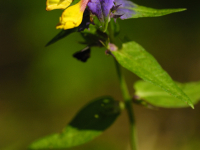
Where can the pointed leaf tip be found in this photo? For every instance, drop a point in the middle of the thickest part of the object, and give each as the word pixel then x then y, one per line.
pixel 133 57
pixel 192 106
pixel 61 35
pixel 132 10
pixel 157 97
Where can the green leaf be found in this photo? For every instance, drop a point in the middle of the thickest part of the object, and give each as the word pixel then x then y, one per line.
pixel 141 11
pixel 134 58
pixel 61 35
pixel 94 35
pixel 113 28
pixel 74 2
pixel 157 97
pixel 89 123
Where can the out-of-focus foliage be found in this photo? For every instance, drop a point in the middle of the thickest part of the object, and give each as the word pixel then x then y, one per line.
pixel 157 97
pixel 89 123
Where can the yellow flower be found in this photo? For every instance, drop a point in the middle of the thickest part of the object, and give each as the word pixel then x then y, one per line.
pixel 72 16
pixel 57 4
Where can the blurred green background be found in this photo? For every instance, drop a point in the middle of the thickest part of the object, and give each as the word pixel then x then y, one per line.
pixel 42 88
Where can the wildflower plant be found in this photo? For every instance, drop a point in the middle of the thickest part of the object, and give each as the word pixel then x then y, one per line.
pixel 96 21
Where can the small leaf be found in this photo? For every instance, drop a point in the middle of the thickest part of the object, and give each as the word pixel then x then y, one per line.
pixel 94 36
pixel 114 28
pixel 134 58
pixel 157 97
pixel 128 9
pixel 61 35
pixel 89 123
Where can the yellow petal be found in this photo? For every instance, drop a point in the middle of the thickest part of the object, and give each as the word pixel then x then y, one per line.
pixel 57 4
pixel 71 17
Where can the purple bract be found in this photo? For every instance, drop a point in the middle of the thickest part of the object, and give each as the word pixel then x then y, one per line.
pixel 124 8
pixel 101 8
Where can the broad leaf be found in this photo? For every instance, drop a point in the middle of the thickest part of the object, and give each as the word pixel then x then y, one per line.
pixel 89 123
pixel 157 97
pixel 128 9
pixel 134 58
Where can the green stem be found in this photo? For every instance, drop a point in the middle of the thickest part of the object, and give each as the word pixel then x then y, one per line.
pixel 128 104
pixel 126 96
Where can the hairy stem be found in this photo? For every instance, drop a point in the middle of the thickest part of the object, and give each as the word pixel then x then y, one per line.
pixel 128 103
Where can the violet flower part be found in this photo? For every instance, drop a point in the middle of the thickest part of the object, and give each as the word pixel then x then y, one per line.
pixel 101 8
pixel 125 9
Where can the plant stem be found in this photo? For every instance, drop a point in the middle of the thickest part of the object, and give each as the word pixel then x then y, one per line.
pixel 126 96
pixel 128 103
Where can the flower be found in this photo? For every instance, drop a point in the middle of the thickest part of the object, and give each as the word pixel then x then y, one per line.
pixel 101 8
pixel 104 10
pixel 57 4
pixel 71 17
